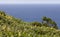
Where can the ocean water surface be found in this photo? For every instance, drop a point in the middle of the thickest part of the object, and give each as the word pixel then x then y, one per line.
pixel 33 12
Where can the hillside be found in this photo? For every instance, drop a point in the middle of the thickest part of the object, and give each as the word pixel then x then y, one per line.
pixel 13 27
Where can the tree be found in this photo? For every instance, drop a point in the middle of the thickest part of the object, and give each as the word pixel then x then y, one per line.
pixel 49 22
pixel 46 20
pixel 54 24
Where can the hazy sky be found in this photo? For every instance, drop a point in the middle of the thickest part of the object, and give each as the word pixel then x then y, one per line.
pixel 29 1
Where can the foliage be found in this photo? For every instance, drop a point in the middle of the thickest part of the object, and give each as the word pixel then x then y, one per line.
pixel 13 27
pixel 36 24
pixel 49 22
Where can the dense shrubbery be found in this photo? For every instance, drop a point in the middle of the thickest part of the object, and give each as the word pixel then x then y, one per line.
pixel 13 27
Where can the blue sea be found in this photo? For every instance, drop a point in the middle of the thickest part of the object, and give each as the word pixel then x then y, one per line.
pixel 33 12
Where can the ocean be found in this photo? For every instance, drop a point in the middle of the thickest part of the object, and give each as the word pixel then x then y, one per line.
pixel 33 12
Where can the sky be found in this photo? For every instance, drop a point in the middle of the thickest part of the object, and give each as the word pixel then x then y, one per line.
pixel 29 1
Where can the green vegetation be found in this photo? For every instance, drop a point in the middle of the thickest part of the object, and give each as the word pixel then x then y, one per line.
pixel 49 22
pixel 13 27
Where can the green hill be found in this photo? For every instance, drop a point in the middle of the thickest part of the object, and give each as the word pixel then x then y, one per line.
pixel 13 27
